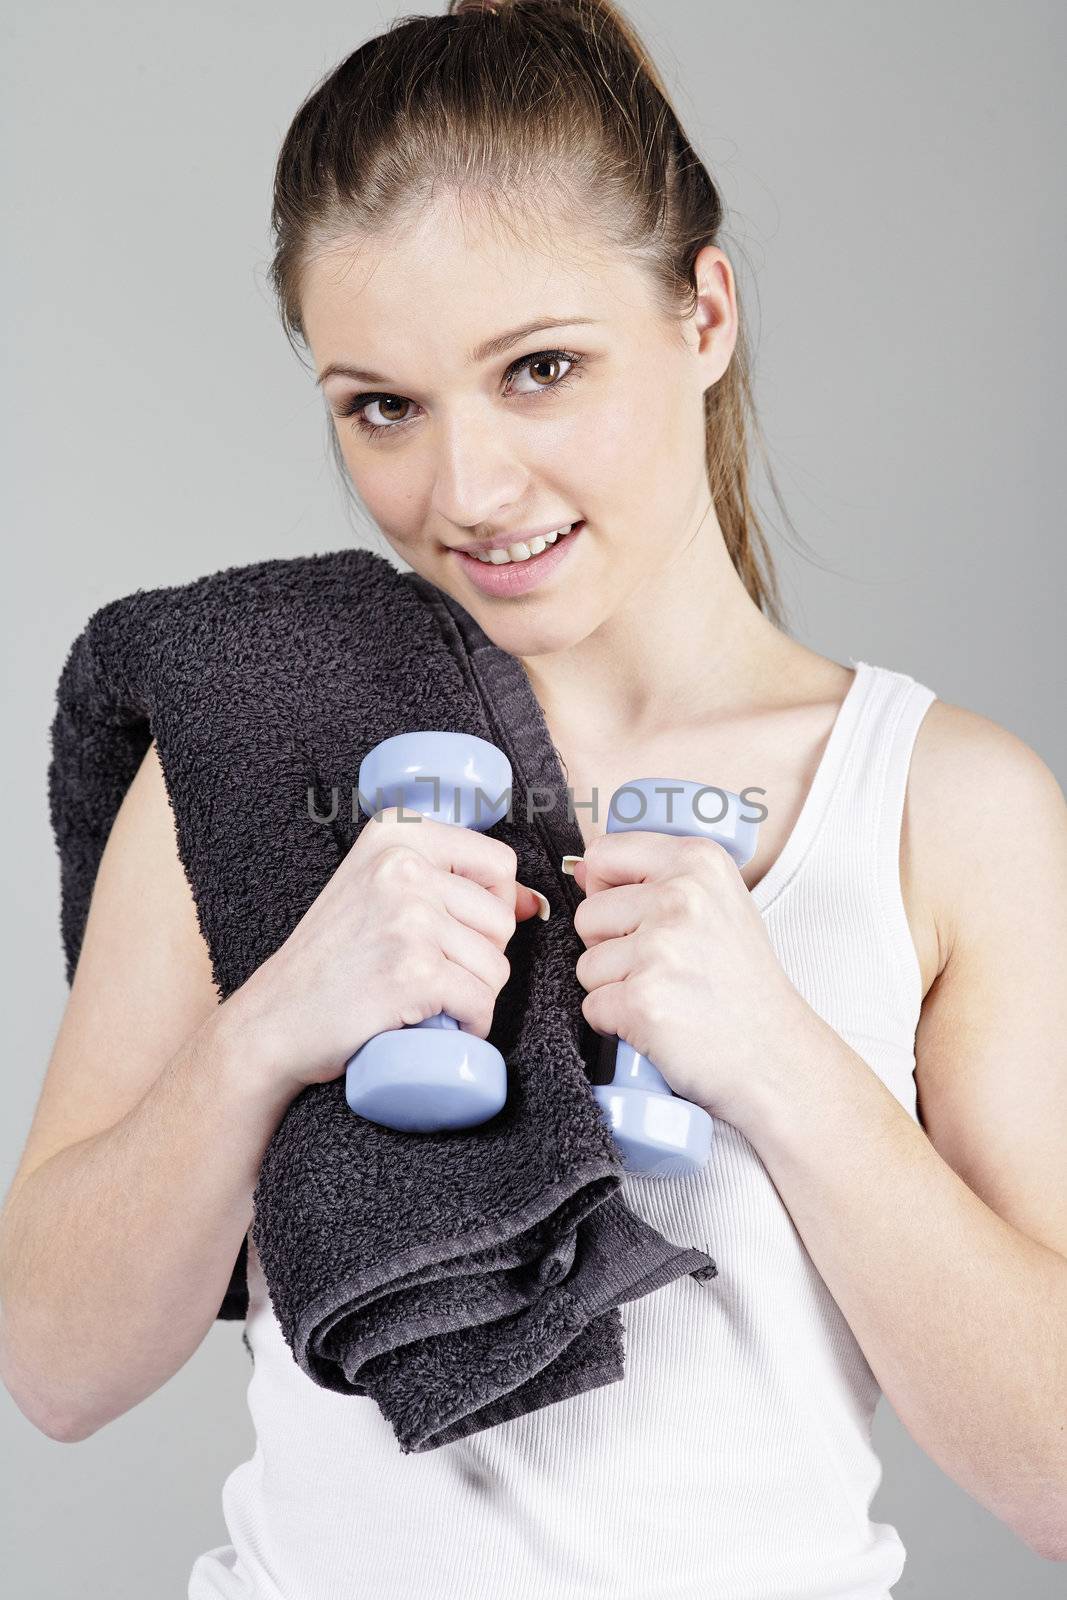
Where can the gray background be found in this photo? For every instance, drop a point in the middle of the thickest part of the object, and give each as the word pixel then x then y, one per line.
pixel 894 177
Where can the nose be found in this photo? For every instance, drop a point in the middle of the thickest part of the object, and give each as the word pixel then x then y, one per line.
pixel 478 480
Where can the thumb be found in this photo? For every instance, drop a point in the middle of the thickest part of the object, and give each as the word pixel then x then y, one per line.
pixel 529 903
pixel 574 867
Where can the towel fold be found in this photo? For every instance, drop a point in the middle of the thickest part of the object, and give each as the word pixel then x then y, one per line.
pixel 459 1278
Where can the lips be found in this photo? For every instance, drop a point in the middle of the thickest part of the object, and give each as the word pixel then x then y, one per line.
pixel 508 578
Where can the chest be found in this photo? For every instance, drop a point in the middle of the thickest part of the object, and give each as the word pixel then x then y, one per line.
pixel 593 776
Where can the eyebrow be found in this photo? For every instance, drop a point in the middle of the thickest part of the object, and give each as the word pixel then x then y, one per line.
pixel 483 352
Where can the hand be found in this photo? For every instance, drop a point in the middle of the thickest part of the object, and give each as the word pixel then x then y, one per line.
pixel 414 921
pixel 678 963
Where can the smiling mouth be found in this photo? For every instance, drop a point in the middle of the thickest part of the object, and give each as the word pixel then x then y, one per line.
pixel 522 550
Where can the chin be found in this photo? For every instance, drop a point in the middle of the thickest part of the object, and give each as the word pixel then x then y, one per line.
pixel 537 636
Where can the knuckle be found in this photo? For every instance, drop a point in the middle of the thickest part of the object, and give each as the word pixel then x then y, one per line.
pixel 398 861
pixel 707 853
pixel 422 967
pixel 681 896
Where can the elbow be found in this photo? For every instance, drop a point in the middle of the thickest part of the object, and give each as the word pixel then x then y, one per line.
pixel 35 1408
pixel 65 1431
pixel 61 1430
pixel 62 1433
pixel 1050 1547
pixel 70 1435
pixel 1046 1533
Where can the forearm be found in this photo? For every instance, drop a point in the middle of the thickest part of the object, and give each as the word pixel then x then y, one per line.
pixel 116 1253
pixel 961 1317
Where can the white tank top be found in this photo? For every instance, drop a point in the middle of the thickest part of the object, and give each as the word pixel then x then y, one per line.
pixel 734 1460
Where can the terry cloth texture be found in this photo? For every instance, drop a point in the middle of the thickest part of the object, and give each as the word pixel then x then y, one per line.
pixel 459 1278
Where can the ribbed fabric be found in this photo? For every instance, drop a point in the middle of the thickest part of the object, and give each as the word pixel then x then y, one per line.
pixel 734 1460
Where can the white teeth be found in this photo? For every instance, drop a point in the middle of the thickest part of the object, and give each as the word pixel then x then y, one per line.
pixel 523 552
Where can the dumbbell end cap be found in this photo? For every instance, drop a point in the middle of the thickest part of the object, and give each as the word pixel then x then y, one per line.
pixel 421 1080
pixel 660 1135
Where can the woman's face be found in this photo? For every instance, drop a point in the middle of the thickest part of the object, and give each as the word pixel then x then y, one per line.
pixel 596 418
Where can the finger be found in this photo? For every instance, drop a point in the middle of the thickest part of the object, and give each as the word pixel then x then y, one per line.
pixel 477 907
pixel 612 859
pixel 530 903
pixel 610 962
pixel 613 913
pixel 464 851
pixel 466 948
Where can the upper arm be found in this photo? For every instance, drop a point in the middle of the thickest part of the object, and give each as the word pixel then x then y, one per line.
pixel 143 981
pixel 991 1059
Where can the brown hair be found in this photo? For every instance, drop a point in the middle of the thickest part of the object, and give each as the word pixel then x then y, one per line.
pixel 499 100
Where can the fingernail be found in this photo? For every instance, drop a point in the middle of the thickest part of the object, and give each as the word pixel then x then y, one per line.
pixel 568 863
pixel 544 910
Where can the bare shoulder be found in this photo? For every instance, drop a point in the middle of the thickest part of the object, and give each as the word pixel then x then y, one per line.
pixel 955 745
pixel 983 811
pixel 989 834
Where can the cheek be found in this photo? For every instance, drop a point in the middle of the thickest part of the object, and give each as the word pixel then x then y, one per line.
pixel 667 450
pixel 388 496
pixel 603 453
pixel 632 439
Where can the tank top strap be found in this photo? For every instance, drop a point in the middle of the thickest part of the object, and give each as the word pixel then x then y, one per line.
pixel 850 728
pixel 876 760
pixel 865 811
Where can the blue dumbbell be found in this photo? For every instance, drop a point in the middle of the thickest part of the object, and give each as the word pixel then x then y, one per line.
pixel 431 1075
pixel 659 1133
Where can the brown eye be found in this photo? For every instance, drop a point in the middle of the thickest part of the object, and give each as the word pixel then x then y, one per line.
pixel 543 359
pixel 388 400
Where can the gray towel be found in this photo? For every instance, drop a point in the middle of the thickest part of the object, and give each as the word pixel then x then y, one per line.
pixel 459 1278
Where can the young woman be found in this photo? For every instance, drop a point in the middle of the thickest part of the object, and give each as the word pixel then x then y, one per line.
pixel 501 253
